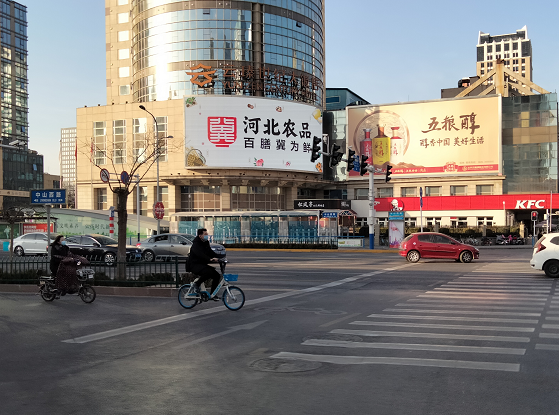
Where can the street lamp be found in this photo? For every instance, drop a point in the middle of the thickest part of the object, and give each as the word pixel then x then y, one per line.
pixel 157 159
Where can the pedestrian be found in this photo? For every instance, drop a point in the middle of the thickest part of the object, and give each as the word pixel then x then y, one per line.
pixel 539 235
pixel 63 266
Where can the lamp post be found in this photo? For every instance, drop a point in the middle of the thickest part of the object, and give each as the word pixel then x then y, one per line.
pixel 156 133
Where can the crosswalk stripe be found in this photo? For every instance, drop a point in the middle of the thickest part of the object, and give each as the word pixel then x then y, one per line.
pixel 372 333
pixel 444 295
pixel 499 284
pixel 549 335
pixel 442 326
pixel 512 295
pixel 400 361
pixel 547 347
pixel 478 319
pixel 499 304
pixel 494 313
pixel 550 326
pixel 552 318
pixel 492 290
pixel 528 287
pixel 407 346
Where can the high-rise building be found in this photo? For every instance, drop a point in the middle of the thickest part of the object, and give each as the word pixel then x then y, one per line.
pixel 68 161
pixel 234 91
pixel 514 48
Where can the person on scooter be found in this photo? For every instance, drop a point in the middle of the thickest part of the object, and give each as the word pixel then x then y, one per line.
pixel 65 276
pixel 201 255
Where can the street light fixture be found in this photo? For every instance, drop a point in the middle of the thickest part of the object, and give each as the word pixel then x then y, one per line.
pixel 157 159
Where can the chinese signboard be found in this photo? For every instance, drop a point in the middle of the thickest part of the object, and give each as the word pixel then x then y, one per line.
pixel 396 215
pixel 322 204
pixel 460 136
pixel 48 197
pixel 249 132
pixel 37 227
pixel 329 214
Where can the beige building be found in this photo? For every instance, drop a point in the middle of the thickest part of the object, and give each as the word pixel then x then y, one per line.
pixel 157 56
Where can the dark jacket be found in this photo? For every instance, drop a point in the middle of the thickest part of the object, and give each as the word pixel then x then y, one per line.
pixel 200 255
pixel 58 252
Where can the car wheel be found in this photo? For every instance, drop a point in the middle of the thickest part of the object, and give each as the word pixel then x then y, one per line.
pixel 466 256
pixel 413 256
pixel 551 269
pixel 109 259
pixel 149 256
pixel 19 251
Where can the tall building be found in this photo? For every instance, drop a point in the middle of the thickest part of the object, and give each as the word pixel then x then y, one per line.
pixel 68 161
pixel 234 91
pixel 22 169
pixel 514 48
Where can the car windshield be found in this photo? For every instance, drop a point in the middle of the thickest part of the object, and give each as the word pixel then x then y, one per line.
pixel 103 240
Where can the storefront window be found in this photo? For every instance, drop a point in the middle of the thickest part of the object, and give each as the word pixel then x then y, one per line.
pixel 433 190
pixel 484 189
pixel 200 198
pixel 458 190
pixel 409 191
pixel 245 198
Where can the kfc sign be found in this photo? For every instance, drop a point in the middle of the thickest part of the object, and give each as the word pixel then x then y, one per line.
pixel 222 131
pixel 530 204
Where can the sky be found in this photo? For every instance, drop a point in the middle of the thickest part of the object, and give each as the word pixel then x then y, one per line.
pixel 385 52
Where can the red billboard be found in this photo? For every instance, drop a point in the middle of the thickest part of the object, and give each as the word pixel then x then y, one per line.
pixel 37 227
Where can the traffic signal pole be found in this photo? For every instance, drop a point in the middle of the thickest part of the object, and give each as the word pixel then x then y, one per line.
pixel 371 218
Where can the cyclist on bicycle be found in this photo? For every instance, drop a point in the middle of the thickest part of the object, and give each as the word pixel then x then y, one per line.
pixel 201 255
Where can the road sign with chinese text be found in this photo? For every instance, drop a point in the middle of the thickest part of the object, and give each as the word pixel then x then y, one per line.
pixel 48 197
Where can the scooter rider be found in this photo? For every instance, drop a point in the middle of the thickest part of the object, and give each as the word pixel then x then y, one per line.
pixel 201 255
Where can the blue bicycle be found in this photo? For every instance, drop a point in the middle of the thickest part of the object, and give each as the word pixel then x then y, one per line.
pixel 233 297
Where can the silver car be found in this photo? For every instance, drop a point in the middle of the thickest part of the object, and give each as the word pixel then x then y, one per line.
pixel 170 245
pixel 34 243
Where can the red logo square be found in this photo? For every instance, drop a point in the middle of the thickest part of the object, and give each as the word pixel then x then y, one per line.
pixel 222 131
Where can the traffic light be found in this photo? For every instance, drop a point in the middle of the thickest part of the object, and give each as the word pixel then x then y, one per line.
pixel 350 159
pixel 316 148
pixel 535 215
pixel 336 155
pixel 363 166
pixel 388 173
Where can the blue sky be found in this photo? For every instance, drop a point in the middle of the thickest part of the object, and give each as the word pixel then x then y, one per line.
pixel 385 52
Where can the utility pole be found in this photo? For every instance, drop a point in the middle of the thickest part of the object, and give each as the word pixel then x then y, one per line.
pixel 137 177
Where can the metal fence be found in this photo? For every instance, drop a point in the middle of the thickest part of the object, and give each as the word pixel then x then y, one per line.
pixel 164 272
pixel 277 240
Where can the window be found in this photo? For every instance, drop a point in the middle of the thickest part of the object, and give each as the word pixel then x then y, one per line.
pixel 119 141
pixel 361 194
pixel 433 190
pixel 101 199
pixel 488 221
pixel 411 222
pixel 384 192
pixel 202 199
pixel 489 48
pixel 123 53
pixel 458 190
pixel 409 191
pixel 433 221
pixel 124 72
pixel 162 136
pixel 139 145
pixel 164 197
pixel 484 189
pixel 462 222
pixel 123 18
pixel 99 142
pixel 122 2
pixel 124 36
pixel 257 198
pixel 124 90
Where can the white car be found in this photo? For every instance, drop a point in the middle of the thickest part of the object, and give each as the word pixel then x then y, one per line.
pixel 546 255
pixel 34 243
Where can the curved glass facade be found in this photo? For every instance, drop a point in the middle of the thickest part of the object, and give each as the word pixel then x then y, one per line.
pixel 271 48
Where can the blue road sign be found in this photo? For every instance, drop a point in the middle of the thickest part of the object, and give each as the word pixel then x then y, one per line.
pixel 398 215
pixel 48 197
pixel 329 214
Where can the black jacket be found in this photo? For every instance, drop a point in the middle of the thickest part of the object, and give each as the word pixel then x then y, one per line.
pixel 57 254
pixel 200 255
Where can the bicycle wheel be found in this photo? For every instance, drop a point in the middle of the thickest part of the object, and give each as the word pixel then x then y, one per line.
pixel 187 298
pixel 87 294
pixel 233 298
pixel 47 295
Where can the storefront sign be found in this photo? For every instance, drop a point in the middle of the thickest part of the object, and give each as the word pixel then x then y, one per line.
pixel 396 215
pixel 354 242
pixel 529 204
pixel 37 227
pixel 329 214
pixel 449 137
pixel 322 204
pixel 248 132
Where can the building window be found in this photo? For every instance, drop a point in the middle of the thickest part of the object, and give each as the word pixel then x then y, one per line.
pixel 433 221
pixel 124 90
pixel 162 135
pixel 257 198
pixel 123 54
pixel 122 2
pixel 458 190
pixel 489 48
pixel 144 201
pixel 361 194
pixel 101 199
pixel 408 191
pixel 123 18
pixel 139 145
pixel 433 191
pixel 124 72
pixel 483 64
pixel 384 192
pixel 164 198
pixel 411 222
pixel 119 141
pixel 484 189
pixel 201 198
pixel 488 221
pixel 99 142
pixel 124 36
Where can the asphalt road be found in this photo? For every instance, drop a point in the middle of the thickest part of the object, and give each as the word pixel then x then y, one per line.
pixel 322 333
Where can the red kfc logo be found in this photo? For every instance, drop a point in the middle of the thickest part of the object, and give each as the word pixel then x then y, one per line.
pixel 222 131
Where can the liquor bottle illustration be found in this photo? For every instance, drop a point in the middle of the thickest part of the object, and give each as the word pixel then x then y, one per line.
pixel 397 147
pixel 366 146
pixel 381 147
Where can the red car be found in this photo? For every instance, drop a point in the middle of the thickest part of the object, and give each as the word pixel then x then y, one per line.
pixel 436 245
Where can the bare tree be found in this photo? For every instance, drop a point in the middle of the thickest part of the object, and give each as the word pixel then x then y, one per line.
pixel 136 157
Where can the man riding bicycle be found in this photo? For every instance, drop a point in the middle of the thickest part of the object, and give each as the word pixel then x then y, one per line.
pixel 201 255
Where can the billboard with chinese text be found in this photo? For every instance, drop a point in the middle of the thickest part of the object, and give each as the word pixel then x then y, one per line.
pixel 248 132
pixel 460 136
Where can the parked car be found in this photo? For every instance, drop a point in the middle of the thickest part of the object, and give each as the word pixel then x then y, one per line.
pixel 34 243
pixel 100 248
pixel 436 245
pixel 170 245
pixel 546 255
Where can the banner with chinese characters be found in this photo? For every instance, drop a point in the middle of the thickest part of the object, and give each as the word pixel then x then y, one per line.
pixel 248 132
pixel 459 136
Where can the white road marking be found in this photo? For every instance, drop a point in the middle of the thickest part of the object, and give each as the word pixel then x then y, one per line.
pixel 474 303
pixel 442 326
pixel 483 313
pixel 550 326
pixel 478 319
pixel 549 335
pixel 407 346
pixel 552 318
pixel 400 361
pixel 490 294
pixel 554 347
pixel 371 333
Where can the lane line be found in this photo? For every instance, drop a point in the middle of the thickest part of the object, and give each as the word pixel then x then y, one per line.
pixel 407 346
pixel 371 333
pixel 478 319
pixel 442 326
pixel 483 313
pixel 400 361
